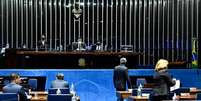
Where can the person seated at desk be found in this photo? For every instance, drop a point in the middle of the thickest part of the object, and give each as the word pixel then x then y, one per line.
pixel 14 87
pixel 162 80
pixel 59 82
pixel 99 46
pixel 79 45
pixel 43 43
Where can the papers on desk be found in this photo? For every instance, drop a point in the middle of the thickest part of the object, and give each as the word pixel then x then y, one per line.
pixel 28 96
pixel 176 86
pixel 146 94
pixel 130 90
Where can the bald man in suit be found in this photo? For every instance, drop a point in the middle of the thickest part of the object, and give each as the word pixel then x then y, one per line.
pixel 121 78
pixel 59 82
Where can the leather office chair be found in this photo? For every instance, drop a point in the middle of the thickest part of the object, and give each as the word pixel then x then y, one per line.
pixel 60 97
pixel 33 84
pixel 54 90
pixel 8 97
pixel 141 81
pixel 134 92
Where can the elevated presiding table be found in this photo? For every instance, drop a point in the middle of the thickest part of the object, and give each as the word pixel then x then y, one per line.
pixel 51 59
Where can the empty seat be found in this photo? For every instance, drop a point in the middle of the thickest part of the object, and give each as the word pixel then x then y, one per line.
pixel 141 81
pixel 33 84
pixel 134 92
pixel 60 97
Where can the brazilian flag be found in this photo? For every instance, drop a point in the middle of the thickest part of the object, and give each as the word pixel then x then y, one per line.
pixel 194 63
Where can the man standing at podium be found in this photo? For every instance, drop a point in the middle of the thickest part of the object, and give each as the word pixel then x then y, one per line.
pixel 120 77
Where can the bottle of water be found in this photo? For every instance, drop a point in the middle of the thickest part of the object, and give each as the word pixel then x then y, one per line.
pixel 74 98
pixel 72 91
pixel 174 98
pixel 58 91
pixel 139 90
pixel 36 95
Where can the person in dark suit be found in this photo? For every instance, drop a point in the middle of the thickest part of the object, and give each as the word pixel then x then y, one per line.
pixel 120 77
pixel 14 87
pixel 43 43
pixel 162 80
pixel 59 82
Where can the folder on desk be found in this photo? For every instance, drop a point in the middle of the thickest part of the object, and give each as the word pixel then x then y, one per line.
pixel 176 86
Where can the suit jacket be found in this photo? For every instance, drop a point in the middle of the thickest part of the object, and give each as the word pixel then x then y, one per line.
pixel 120 78
pixel 59 84
pixel 15 88
pixel 163 82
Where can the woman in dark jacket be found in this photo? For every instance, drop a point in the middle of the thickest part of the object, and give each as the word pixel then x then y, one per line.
pixel 162 80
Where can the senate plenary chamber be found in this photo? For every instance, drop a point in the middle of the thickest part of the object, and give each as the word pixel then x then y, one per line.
pixel 100 50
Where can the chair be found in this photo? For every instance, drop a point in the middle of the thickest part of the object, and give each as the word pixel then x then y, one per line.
pixel 8 97
pixel 141 81
pixel 134 92
pixel 199 96
pixel 33 84
pixel 60 97
pixel 63 91
pixel 6 82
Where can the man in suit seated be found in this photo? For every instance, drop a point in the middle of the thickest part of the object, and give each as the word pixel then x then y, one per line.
pixel 99 46
pixel 43 43
pixel 14 87
pixel 59 82
pixel 80 45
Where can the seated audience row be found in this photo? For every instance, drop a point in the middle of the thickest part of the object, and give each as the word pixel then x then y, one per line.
pixel 15 87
